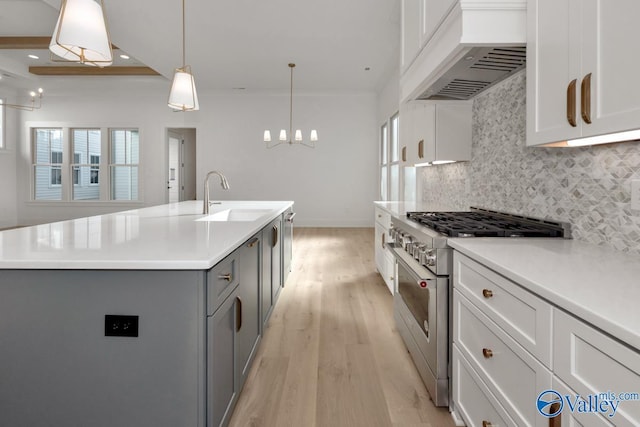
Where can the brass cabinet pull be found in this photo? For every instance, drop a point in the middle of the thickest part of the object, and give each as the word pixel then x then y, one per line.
pixel 487 293
pixel 421 149
pixel 571 103
pixel 557 420
pixel 275 235
pixel 252 242
pixel 487 353
pixel 404 154
pixel 486 423
pixel 585 100
pixel 238 314
pixel 226 277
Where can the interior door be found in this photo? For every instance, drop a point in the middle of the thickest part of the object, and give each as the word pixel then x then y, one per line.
pixel 175 172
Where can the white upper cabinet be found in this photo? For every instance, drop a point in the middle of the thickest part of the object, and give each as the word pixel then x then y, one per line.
pixel 410 40
pixel 581 68
pixel 432 12
pixel 435 131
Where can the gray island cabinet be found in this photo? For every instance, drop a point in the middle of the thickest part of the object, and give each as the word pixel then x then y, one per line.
pixel 166 342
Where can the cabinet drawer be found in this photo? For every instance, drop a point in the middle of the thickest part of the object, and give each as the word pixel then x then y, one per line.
pixel 383 218
pixel 591 362
pixel 221 281
pixel 512 374
pixel 574 418
pixel 473 399
pixel 525 317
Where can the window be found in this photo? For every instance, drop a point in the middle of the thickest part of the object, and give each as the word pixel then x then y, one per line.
pixel 384 148
pixel 390 159
pixel 47 164
pixel 84 164
pixel 86 145
pixel 123 163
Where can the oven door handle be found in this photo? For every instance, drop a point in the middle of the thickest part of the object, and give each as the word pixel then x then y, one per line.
pixel 420 274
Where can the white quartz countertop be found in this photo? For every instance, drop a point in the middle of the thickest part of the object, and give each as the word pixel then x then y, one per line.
pixel 599 285
pixel 166 237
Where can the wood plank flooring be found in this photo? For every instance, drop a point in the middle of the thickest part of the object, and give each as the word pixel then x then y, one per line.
pixel 331 355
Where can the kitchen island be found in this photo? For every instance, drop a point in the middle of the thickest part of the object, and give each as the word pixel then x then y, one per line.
pixel 148 317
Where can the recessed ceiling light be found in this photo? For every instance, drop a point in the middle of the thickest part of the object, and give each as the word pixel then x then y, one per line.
pixel 367 68
pixel 33 56
pixel 123 56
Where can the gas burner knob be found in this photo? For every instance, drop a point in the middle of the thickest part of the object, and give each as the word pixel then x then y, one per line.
pixel 417 248
pixel 413 249
pixel 430 258
pixel 406 241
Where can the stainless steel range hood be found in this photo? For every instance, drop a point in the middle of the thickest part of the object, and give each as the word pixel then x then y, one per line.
pixel 477 44
pixel 481 68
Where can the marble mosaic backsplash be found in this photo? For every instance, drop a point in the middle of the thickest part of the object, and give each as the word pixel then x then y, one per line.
pixel 589 187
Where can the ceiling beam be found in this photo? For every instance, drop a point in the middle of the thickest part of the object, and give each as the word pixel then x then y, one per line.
pixel 92 71
pixel 30 42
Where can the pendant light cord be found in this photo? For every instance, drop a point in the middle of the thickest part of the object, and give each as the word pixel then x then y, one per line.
pixel 291 105
pixel 184 61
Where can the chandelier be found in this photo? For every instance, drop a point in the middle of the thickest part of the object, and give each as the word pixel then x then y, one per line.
pixel 33 106
pixel 183 96
pixel 297 137
pixel 81 34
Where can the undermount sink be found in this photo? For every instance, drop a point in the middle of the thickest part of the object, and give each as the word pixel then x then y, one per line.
pixel 236 215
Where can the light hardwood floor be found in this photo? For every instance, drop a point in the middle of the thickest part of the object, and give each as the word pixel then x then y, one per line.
pixel 331 355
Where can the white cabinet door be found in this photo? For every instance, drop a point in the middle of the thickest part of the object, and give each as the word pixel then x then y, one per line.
pixel 553 62
pixel 453 132
pixel 410 32
pixel 432 13
pixel 581 69
pixel 424 143
pixel 608 54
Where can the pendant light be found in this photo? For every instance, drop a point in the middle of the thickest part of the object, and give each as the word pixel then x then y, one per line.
pixel 34 96
pixel 297 137
pixel 183 96
pixel 81 34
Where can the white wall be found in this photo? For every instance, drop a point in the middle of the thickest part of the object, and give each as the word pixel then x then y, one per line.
pixel 332 185
pixel 8 201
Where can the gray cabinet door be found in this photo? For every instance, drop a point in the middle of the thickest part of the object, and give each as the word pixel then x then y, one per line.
pixel 221 384
pixel 248 297
pixel 276 259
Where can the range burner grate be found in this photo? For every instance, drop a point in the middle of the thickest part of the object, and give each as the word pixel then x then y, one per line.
pixel 486 224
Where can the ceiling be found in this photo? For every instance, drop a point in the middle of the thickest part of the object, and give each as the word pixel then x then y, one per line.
pixel 231 44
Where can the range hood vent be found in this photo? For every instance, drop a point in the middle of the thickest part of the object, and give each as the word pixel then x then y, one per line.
pixel 479 69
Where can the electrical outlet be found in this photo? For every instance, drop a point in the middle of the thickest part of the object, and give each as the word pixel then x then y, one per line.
pixel 120 326
pixel 635 194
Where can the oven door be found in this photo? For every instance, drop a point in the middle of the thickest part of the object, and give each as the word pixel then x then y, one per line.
pixel 423 297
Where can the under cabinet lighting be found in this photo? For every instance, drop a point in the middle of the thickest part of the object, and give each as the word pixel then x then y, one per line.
pixel 605 139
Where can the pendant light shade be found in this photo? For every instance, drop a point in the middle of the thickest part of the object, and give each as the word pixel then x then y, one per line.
pixel 81 33
pixel 183 95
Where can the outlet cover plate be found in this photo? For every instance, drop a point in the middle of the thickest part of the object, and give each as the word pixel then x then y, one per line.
pixel 635 194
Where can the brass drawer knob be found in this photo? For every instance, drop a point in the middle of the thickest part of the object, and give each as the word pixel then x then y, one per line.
pixel 487 353
pixel 486 424
pixel 487 293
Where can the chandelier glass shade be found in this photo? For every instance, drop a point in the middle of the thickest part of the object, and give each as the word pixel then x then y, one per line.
pixel 183 95
pixel 81 34
pixel 293 138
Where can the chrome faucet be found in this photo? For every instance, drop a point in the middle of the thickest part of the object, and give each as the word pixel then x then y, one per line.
pixel 223 183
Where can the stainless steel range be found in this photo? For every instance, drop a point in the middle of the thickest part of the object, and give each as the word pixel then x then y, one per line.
pixel 422 307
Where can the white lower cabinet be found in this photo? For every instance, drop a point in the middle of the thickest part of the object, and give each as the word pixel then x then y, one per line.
pixel 503 335
pixel 511 373
pixel 591 362
pixel 477 405
pixel 384 260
